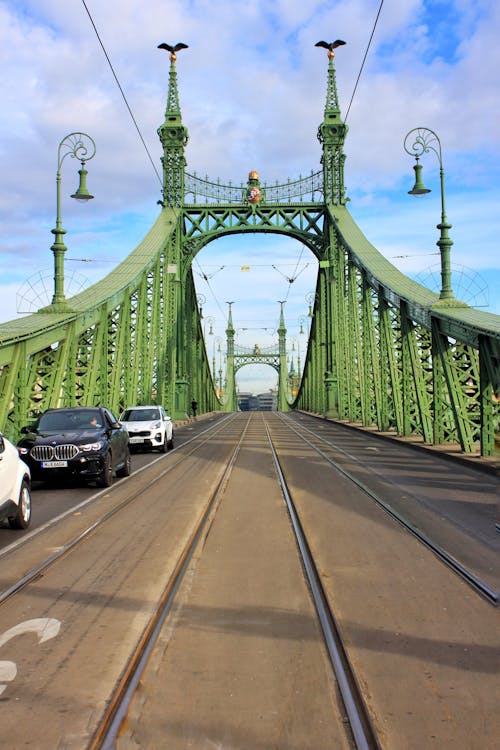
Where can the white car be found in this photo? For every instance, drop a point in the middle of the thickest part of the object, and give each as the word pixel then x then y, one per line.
pixel 148 427
pixel 15 483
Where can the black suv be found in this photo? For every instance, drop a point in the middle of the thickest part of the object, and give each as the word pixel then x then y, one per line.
pixel 85 441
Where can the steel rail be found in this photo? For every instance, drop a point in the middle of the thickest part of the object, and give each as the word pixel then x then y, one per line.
pixel 116 712
pixel 475 583
pixel 357 712
pixel 39 569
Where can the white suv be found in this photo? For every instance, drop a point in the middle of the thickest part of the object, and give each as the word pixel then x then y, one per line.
pixel 15 482
pixel 148 427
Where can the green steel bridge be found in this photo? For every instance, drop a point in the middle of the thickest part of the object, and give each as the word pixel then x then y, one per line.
pixel 383 351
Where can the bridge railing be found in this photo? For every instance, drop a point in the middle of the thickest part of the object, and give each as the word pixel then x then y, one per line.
pixel 304 189
pixel 256 350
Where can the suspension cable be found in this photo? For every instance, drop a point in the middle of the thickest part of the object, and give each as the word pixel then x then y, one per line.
pixel 122 93
pixel 364 59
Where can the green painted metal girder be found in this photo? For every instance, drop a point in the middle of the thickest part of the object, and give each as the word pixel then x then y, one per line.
pixel 241 360
pixel 465 324
pixel 203 224
pixel 42 329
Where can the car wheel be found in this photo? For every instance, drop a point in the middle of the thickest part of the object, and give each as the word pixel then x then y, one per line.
pixel 164 445
pixel 23 516
pixel 127 466
pixel 170 443
pixel 105 479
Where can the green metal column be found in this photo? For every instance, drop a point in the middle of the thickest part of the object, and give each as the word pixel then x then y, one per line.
pixel 391 382
pixel 489 370
pixel 282 379
pixel 230 398
pixel 455 391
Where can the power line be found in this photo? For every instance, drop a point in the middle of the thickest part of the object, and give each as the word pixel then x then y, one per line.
pixel 122 93
pixel 364 59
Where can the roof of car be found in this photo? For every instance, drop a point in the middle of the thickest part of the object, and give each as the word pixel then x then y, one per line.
pixel 146 406
pixel 75 408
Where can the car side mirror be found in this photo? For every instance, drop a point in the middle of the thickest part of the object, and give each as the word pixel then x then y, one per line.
pixel 24 430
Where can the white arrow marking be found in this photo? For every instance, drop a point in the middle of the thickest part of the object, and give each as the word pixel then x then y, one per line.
pixel 45 627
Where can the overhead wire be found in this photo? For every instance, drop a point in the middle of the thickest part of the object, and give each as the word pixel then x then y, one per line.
pixel 206 277
pixel 295 276
pixel 364 59
pixel 122 92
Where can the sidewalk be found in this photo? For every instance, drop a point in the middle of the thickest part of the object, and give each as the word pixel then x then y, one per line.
pixel 451 451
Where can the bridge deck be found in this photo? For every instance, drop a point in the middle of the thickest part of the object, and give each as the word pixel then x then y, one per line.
pixel 241 662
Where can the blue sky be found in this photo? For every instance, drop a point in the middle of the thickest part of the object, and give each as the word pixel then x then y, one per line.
pixel 252 90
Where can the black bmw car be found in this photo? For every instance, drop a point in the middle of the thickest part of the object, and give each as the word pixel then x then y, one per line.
pixel 86 442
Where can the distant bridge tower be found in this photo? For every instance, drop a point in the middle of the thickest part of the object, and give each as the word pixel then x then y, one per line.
pixel 238 357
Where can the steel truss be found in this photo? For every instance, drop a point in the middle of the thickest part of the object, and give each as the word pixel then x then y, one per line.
pixel 383 351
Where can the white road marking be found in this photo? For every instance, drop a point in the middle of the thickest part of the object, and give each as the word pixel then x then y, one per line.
pixel 45 628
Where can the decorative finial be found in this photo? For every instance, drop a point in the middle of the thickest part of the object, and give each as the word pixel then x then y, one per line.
pixel 173 49
pixel 330 46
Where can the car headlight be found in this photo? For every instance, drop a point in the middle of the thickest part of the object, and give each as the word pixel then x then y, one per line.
pixel 23 451
pixel 156 426
pixel 91 446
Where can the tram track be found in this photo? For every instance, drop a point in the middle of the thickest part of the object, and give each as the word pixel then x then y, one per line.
pixel 466 575
pixel 358 715
pixel 38 570
pixel 116 712
pixel 356 711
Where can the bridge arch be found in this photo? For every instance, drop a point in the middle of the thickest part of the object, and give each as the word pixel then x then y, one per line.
pixel 204 224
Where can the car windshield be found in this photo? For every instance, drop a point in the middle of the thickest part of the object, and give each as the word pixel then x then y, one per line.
pixel 69 420
pixel 140 415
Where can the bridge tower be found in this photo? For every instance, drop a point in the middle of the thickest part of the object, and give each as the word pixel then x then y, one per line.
pixel 331 135
pixel 328 340
pixel 184 375
pixel 230 400
pixel 174 137
pixel 282 377
pixel 238 357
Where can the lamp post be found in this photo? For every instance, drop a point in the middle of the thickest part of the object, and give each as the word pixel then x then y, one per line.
pixel 311 298
pixel 201 299
pixel 217 348
pixel 211 322
pixel 82 147
pixel 417 142
pixel 303 321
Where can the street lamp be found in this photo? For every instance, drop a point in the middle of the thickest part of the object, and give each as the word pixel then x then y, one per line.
pixel 303 322
pixel 311 298
pixel 211 321
pixel 417 142
pixel 216 348
pixel 201 299
pixel 82 147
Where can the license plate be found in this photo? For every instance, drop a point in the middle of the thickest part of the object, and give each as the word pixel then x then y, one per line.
pixel 136 440
pixel 53 464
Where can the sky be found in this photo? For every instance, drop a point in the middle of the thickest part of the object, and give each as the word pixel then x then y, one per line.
pixel 252 89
